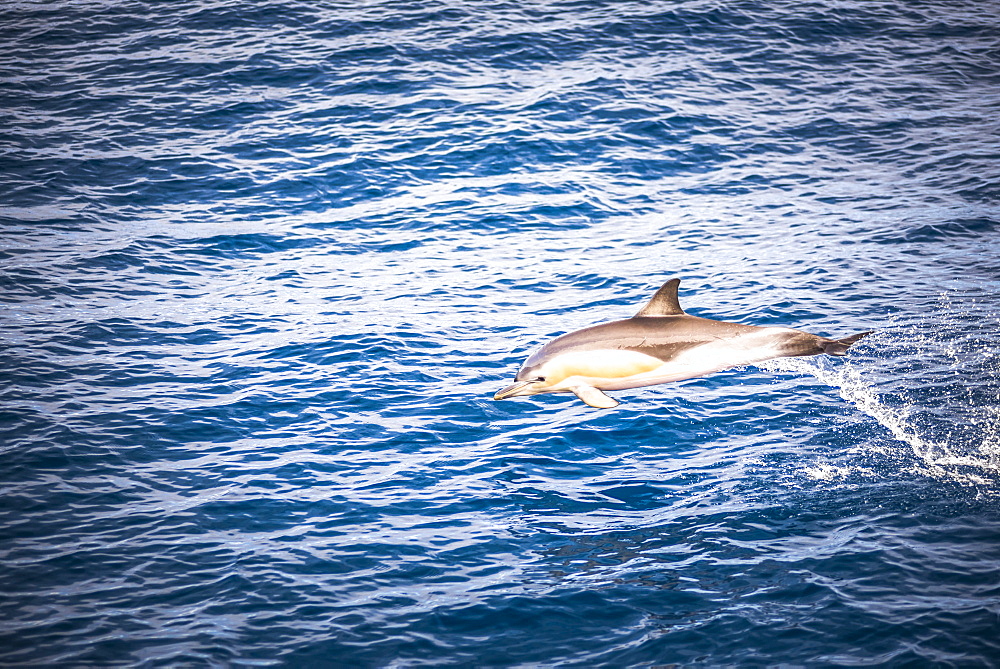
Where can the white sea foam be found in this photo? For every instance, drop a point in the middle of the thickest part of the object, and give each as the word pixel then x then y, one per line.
pixel 824 471
pixel 970 454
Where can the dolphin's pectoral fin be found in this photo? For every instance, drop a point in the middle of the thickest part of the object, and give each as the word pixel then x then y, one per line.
pixel 594 397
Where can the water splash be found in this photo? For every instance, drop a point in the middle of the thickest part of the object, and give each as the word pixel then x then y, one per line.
pixel 920 416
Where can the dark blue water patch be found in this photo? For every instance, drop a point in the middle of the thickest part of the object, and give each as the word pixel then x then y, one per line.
pixel 534 216
pixel 123 179
pixel 232 247
pixel 232 113
pixel 120 332
pixel 940 231
pixel 636 599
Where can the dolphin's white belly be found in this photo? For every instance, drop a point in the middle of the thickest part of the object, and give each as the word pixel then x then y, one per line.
pixel 616 369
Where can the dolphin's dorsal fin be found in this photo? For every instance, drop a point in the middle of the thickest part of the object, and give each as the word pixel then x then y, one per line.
pixel 664 302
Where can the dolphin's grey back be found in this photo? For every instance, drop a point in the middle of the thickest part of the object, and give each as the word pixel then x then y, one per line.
pixel 660 329
pixel 663 337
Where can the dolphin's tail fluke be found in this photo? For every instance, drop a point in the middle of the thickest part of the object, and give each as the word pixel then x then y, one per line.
pixel 840 346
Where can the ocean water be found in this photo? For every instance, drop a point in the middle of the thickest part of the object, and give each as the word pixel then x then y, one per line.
pixel 265 264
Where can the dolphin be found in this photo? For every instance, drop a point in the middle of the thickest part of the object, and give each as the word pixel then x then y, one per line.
pixel 659 344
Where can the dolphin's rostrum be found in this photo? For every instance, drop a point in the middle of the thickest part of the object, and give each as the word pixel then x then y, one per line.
pixel 659 344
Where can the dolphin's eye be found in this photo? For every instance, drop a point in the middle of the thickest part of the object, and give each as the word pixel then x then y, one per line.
pixel 539 378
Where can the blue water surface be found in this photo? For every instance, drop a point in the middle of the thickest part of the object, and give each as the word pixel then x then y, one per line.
pixel 265 264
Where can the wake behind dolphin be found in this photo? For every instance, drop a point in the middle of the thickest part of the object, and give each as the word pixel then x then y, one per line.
pixel 659 344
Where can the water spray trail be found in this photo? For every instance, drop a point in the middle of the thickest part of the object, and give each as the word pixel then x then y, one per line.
pixel 938 457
